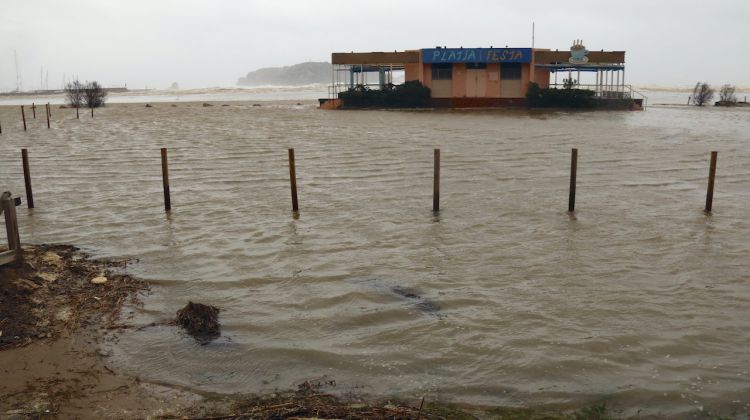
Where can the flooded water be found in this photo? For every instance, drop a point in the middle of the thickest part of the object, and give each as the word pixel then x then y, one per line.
pixel 640 299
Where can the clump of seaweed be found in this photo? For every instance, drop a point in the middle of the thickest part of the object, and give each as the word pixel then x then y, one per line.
pixel 200 321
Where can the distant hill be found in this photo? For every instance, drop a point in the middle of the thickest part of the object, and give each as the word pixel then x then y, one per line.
pixel 298 74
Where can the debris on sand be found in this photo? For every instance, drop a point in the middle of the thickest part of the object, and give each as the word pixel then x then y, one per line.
pixel 99 280
pixel 312 404
pixel 200 321
pixel 148 105
pixel 205 104
pixel 55 291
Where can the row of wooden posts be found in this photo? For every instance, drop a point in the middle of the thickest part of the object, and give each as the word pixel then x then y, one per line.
pixel 48 111
pixel 435 184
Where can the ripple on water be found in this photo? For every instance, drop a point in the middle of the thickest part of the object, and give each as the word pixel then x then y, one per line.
pixel 503 298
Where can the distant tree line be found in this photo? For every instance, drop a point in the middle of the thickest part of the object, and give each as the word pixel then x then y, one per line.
pixel 89 94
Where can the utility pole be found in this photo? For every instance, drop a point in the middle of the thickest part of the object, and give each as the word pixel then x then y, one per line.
pixel 18 77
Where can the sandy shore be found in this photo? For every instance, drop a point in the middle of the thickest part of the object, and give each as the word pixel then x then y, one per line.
pixel 52 319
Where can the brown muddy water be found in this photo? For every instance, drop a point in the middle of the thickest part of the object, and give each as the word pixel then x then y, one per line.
pixel 640 300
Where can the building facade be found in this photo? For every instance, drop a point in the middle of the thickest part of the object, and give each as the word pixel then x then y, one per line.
pixel 481 77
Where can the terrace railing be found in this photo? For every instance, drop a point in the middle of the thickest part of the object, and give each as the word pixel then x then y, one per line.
pixel 608 91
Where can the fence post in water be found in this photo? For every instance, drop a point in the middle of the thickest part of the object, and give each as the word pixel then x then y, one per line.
pixel 711 177
pixel 573 170
pixel 165 178
pixel 23 116
pixel 48 115
pixel 436 183
pixel 8 207
pixel 49 109
pixel 27 178
pixel 1 128
pixel 92 112
pixel 77 116
pixel 33 109
pixel 293 181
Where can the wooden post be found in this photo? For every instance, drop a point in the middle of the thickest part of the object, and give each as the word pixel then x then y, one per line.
pixel 27 178
pixel 49 109
pixel 293 181
pixel 573 170
pixel 92 112
pixel 711 177
pixel 77 116
pixel 1 128
pixel 23 116
pixel 48 116
pixel 436 183
pixel 164 177
pixel 33 109
pixel 8 207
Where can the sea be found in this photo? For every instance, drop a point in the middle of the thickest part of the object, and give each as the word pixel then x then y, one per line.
pixel 639 299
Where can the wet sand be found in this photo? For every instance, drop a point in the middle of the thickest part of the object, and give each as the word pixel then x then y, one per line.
pixel 52 323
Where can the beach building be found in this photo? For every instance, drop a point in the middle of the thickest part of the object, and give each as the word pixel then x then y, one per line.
pixel 482 77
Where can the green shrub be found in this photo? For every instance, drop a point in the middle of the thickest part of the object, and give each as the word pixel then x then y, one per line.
pixel 411 94
pixel 537 97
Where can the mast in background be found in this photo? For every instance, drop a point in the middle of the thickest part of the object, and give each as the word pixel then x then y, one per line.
pixel 18 77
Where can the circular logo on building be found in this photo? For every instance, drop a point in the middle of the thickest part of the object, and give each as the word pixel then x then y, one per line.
pixel 578 53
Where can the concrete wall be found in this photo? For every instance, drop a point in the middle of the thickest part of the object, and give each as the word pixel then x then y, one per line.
pixel 459 80
pixel 510 89
pixel 442 89
pixel 542 78
pixel 426 75
pixel 411 71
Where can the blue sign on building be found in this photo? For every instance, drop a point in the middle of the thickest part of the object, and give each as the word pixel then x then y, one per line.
pixel 476 55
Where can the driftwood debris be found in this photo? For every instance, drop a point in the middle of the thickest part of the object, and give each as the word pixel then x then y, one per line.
pixel 200 321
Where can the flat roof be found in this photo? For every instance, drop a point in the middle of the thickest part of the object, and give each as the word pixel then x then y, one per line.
pixel 551 57
pixel 376 58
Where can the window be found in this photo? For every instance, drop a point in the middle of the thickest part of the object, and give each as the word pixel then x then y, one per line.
pixel 476 66
pixel 510 71
pixel 442 71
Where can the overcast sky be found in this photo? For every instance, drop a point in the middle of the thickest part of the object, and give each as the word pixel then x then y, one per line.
pixel 211 43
